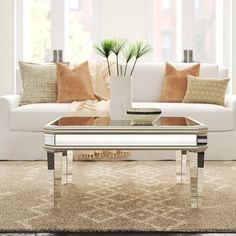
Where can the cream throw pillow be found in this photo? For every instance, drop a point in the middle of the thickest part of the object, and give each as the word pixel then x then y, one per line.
pixel 39 83
pixel 205 90
pixel 102 91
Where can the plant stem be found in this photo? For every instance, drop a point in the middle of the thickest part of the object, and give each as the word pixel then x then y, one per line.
pixel 109 70
pixel 126 68
pixel 117 64
pixel 133 67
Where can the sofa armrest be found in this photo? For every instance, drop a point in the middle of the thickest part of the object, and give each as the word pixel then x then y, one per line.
pixel 7 103
pixel 230 102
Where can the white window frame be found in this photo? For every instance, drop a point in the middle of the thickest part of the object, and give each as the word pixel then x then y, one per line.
pixel 59 40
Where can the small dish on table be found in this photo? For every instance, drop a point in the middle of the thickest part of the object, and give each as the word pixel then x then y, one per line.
pixel 143 116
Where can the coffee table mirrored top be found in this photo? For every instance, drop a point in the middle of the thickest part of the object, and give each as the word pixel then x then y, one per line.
pixel 186 136
pixel 100 133
pixel 106 122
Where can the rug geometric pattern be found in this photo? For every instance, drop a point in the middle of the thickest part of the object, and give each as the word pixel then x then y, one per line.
pixel 116 196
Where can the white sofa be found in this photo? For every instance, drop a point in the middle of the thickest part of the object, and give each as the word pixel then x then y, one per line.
pixel 21 136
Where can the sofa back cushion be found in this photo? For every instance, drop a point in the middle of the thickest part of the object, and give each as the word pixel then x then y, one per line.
pixel 148 78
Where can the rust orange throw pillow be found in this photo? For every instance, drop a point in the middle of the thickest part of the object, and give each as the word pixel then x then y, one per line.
pixel 74 84
pixel 175 82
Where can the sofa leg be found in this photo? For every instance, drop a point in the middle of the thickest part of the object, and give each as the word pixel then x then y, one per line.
pixel 181 167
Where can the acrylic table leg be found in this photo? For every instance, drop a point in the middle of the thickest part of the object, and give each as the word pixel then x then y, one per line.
pixel 196 178
pixel 58 179
pixel 51 176
pixel 69 166
pixel 181 164
pixel 64 167
pixel 58 166
pixel 54 177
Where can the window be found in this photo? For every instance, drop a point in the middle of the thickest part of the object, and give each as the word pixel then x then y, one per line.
pixel 56 24
pixel 173 25
pixel 164 31
pixel 166 44
pixel 74 5
pixel 79 46
pixel 166 5
pixel 37 30
pixel 204 33
pixel 198 25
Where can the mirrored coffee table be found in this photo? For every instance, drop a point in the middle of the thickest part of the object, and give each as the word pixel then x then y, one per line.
pixel 184 135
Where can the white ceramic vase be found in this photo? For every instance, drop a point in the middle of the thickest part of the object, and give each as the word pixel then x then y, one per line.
pixel 120 96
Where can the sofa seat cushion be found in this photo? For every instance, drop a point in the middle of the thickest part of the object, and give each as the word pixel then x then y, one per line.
pixel 217 118
pixel 34 117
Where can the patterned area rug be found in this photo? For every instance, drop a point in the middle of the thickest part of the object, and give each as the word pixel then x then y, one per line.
pixel 116 196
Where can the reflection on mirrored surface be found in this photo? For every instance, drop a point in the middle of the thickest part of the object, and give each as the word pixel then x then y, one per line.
pixel 171 121
pixel 106 122
pixel 83 121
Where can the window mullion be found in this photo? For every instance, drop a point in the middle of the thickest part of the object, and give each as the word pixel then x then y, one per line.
pixel 19 30
pixel 219 32
pixel 148 18
pixel 179 44
pixel 226 33
pixel 187 15
pixel 24 34
pixel 59 25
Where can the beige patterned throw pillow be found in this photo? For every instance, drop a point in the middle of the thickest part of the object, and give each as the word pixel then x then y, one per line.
pixel 205 90
pixel 39 83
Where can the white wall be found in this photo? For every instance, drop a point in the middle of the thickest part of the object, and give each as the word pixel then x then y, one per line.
pixel 125 15
pixel 6 47
pixel 233 47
